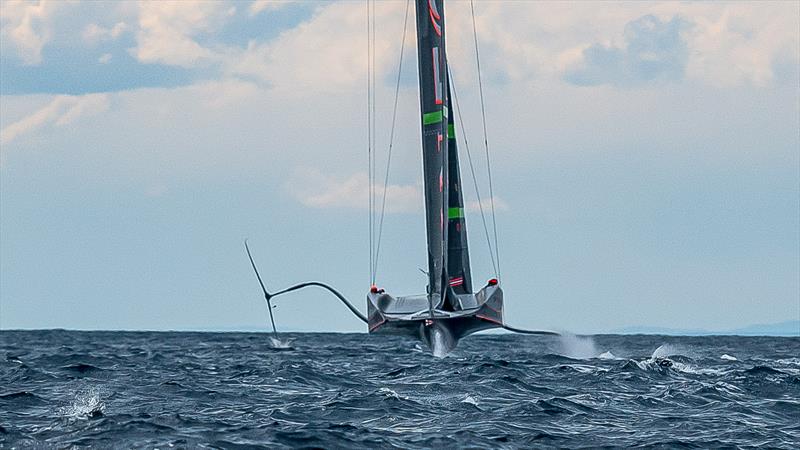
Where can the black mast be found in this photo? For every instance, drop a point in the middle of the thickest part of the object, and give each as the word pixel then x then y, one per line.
pixel 434 108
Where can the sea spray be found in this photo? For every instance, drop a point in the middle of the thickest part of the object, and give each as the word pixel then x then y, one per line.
pixel 439 339
pixel 279 344
pixel 439 344
pixel 87 403
pixel 577 347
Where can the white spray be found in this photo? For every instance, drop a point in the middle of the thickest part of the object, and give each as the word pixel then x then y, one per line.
pixel 439 339
pixel 577 347
pixel 280 344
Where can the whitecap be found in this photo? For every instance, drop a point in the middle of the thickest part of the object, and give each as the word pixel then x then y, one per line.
pixel 789 361
pixel 470 400
pixel 87 403
pixel 665 350
pixel 586 369
pixel 390 393
pixel 607 355
pixel 728 357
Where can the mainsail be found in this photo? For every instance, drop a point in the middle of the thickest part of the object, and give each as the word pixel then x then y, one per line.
pixel 460 279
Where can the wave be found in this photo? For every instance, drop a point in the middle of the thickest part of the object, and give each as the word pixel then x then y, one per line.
pixel 81 368
pixel 195 390
pixel 21 398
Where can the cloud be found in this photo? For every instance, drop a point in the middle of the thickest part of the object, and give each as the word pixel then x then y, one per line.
pixel 474 207
pixel 743 42
pixel 94 33
pixel 621 44
pixel 316 190
pixel 727 43
pixel 653 51
pixel 259 6
pixel 28 26
pixel 62 110
pixel 325 53
pixel 167 31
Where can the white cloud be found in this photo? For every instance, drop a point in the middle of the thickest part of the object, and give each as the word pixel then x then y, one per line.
pixel 105 58
pixel 740 43
pixel 317 190
pixel 62 110
pixel 167 30
pixel 27 25
pixel 94 33
pixel 729 43
pixel 325 53
pixel 235 126
pixel 259 6
pixel 475 207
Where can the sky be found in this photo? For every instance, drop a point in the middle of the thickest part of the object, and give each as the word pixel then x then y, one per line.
pixel 645 160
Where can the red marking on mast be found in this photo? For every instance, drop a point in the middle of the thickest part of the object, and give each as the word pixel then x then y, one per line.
pixel 432 9
pixel 437 79
pixel 434 17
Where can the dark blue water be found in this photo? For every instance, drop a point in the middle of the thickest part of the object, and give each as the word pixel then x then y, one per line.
pixel 233 390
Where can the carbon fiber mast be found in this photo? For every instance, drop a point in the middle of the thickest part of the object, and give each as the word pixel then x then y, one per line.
pixel 433 82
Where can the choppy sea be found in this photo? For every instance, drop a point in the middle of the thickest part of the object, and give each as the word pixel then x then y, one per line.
pixel 62 389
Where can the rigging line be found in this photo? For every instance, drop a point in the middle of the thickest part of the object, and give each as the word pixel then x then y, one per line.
pixel 485 138
pixel 369 135
pixel 391 139
pixel 374 138
pixel 472 168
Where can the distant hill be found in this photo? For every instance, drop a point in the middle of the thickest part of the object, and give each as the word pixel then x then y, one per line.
pixel 788 328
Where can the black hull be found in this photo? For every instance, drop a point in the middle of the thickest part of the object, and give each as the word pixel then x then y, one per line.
pixel 412 316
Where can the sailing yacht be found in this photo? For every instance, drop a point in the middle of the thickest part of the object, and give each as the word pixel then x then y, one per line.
pixel 451 308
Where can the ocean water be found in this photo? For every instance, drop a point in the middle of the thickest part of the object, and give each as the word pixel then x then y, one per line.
pixel 236 390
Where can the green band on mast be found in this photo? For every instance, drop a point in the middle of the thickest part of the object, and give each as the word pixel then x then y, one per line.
pixel 455 213
pixel 451 131
pixel 432 117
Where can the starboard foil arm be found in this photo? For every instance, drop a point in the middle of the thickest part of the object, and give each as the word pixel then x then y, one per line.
pixel 537 332
pixel 268 296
